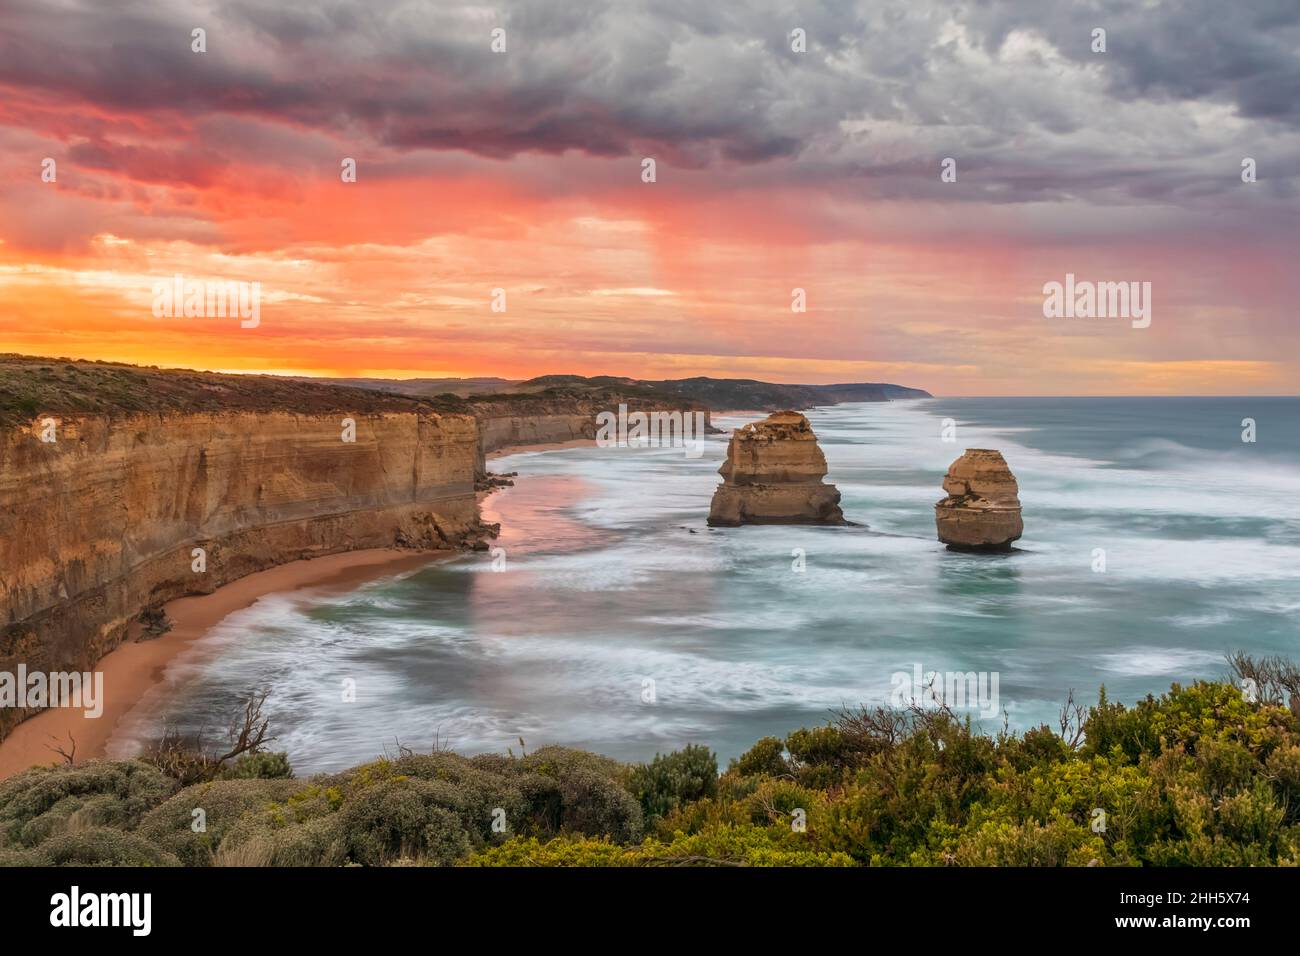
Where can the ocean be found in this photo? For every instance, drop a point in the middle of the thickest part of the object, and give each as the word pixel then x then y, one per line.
pixel 614 620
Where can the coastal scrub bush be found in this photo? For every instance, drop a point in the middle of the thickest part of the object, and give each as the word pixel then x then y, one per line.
pixel 96 846
pixel 765 757
pixel 674 779
pixel 253 841
pixel 1182 718
pixel 563 851
pixel 820 757
pixel 171 825
pixel 435 809
pixel 744 845
pixel 1004 843
pixel 474 794
pixel 571 791
pixel 403 818
pixel 724 846
pixel 44 801
pixel 1198 776
pixel 1282 767
pixel 264 765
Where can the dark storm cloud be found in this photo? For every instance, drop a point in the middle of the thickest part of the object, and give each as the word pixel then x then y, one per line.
pixel 886 89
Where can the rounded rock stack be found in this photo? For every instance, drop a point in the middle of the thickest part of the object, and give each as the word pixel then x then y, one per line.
pixel 982 510
pixel 773 475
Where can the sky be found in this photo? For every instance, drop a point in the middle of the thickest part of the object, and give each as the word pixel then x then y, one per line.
pixel 523 170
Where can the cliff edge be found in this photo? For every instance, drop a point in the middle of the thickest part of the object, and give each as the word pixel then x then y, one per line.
pixel 122 489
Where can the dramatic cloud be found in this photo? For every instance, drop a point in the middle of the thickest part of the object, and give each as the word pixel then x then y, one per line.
pixel 776 169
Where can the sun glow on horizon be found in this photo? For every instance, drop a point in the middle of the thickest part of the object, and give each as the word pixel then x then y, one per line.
pixel 760 196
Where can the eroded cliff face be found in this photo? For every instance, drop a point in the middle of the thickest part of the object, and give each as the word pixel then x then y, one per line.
pixel 503 430
pixel 151 464
pixel 529 420
pixel 103 522
pixel 773 475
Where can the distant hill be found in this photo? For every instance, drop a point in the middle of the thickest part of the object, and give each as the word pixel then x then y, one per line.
pixel 419 386
pixel 742 393
pixel 716 394
pixel 30 385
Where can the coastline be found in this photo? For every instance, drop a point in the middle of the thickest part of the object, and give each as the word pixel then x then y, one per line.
pixel 135 667
pixel 540 446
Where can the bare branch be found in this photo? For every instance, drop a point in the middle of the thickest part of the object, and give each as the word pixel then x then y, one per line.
pixel 68 754
pixel 1072 719
pixel 248 731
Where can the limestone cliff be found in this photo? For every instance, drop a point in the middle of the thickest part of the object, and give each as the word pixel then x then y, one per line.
pixel 773 475
pixel 146 465
pixel 559 416
pixel 502 427
pixel 982 509
pixel 103 522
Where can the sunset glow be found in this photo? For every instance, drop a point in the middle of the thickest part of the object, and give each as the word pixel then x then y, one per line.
pixel 522 171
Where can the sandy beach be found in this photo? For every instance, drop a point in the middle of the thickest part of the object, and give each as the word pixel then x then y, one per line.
pixel 136 666
pixel 541 446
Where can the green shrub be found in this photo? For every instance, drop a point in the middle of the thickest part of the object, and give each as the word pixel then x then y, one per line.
pixel 1282 768
pixel 564 851
pixel 403 818
pixel 474 794
pixel 223 802
pixel 39 803
pixel 1002 843
pixel 258 766
pixel 820 746
pixel 1195 777
pixel 253 841
pixel 672 780
pixel 99 846
pixel 1181 719
pixel 767 757
pixel 740 846
pixel 570 791
pixel 822 757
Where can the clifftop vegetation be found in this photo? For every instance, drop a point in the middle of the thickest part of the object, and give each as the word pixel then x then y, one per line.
pixel 1198 776
pixel 715 394
pixel 32 386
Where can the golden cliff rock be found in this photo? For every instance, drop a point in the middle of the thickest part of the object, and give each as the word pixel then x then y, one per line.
pixel 773 475
pixel 982 509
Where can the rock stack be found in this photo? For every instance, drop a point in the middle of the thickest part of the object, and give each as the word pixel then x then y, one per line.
pixel 982 510
pixel 773 475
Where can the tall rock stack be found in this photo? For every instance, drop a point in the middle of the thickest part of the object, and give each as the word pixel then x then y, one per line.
pixel 982 510
pixel 773 475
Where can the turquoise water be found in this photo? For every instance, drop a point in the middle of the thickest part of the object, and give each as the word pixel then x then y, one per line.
pixel 612 580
